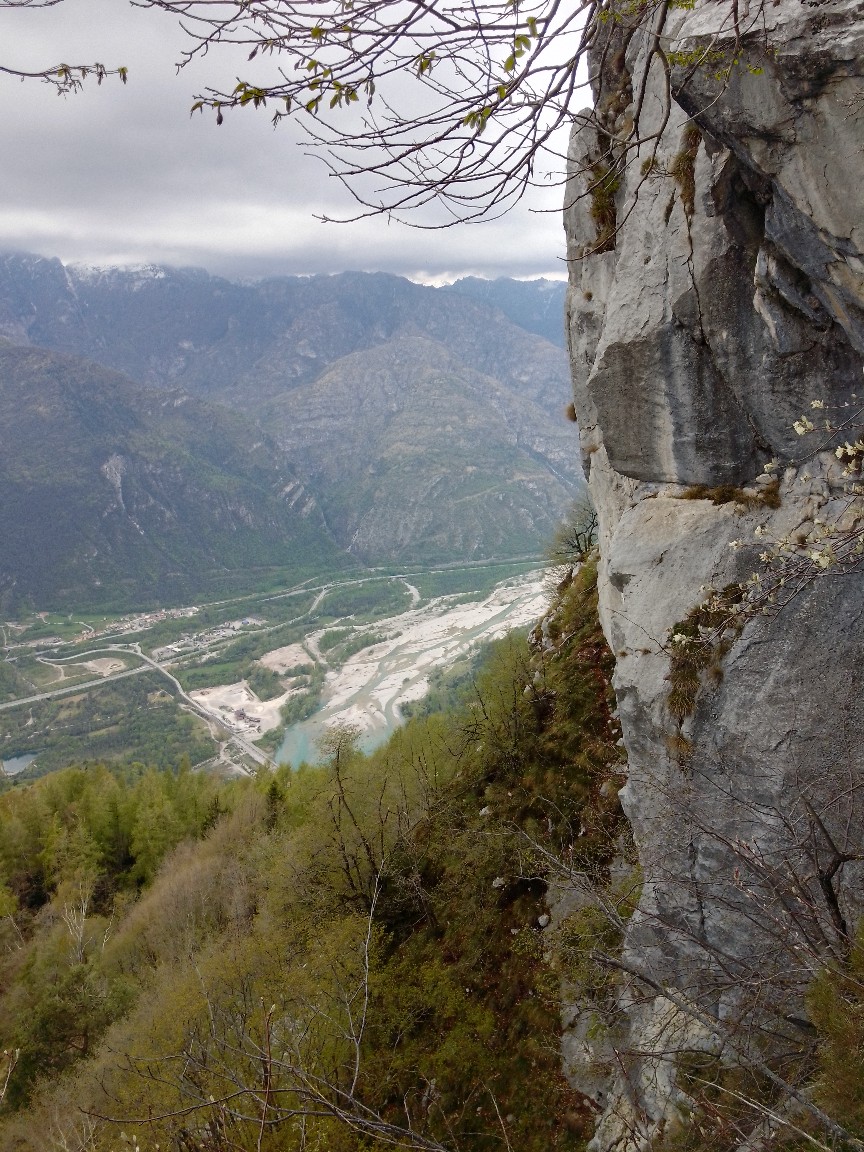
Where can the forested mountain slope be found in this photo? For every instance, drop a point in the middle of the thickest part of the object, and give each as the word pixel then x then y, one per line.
pixel 111 494
pixel 426 423
pixel 390 908
pixel 417 457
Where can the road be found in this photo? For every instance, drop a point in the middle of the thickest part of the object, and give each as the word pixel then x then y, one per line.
pixel 147 664
pixel 69 689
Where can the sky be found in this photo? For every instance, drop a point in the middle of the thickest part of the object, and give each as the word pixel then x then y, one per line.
pixel 120 175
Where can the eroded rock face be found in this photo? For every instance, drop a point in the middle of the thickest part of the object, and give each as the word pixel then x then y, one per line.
pixel 730 296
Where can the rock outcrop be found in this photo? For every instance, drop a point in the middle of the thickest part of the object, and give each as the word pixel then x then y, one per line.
pixel 724 296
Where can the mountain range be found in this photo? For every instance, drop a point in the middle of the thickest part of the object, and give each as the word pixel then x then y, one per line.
pixel 180 426
pixel 115 495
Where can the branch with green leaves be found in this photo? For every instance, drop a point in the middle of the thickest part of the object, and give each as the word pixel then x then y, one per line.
pixel 66 78
pixel 447 102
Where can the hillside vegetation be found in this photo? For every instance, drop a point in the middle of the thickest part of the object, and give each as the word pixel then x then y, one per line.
pixel 316 959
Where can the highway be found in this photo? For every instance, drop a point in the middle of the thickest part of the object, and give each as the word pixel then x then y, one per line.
pixel 71 688
pixel 147 664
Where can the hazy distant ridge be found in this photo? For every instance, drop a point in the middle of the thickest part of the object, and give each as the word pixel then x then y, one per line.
pixel 421 424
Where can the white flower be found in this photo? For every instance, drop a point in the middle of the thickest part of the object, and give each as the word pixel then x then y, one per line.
pixel 771 466
pixel 817 403
pixel 759 530
pixel 803 426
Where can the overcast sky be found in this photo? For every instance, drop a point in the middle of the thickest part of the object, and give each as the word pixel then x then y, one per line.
pixel 124 175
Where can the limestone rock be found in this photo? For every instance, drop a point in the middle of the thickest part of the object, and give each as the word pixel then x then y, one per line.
pixel 730 297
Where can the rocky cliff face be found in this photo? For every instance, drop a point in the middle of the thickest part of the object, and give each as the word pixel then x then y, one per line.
pixel 717 297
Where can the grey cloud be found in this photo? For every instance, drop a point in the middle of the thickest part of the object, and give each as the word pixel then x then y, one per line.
pixel 123 174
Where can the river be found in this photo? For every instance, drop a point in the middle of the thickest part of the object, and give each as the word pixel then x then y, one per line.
pixel 368 690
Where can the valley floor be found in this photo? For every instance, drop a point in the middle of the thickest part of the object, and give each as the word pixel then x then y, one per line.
pixel 245 682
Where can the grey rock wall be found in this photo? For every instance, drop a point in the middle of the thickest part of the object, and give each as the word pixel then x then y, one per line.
pixel 729 298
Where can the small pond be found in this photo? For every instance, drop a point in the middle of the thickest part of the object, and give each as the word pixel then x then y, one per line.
pixel 16 764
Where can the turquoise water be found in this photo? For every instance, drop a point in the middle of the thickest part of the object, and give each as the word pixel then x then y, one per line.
pixel 17 764
pixel 396 675
pixel 301 740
